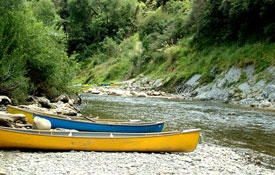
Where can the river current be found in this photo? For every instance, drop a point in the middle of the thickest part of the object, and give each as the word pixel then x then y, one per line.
pixel 250 131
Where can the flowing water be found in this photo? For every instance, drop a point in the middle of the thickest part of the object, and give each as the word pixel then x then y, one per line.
pixel 250 131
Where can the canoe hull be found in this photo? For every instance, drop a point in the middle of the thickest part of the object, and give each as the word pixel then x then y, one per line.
pixel 169 142
pixel 15 110
pixel 103 127
pixel 97 126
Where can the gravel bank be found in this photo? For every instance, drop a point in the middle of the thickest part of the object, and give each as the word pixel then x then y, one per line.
pixel 206 159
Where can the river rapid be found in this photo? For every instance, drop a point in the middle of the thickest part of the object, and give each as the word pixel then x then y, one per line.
pixel 250 131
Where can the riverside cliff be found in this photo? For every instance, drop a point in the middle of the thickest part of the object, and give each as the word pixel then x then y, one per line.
pixel 239 86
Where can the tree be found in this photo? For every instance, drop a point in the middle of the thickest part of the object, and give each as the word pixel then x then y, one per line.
pixel 13 82
pixel 78 28
pixel 91 21
pixel 47 64
pixel 32 55
pixel 61 7
pixel 236 21
pixel 44 11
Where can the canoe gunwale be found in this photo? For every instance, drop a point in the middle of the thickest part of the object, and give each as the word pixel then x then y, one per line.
pixel 83 120
pixel 75 134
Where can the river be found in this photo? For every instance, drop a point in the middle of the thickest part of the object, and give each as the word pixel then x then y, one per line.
pixel 250 131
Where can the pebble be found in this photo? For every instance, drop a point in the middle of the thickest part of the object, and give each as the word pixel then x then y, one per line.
pixel 207 159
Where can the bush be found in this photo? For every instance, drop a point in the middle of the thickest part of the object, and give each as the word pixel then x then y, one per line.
pixel 32 56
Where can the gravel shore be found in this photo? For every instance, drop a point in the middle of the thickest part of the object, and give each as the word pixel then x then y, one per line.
pixel 206 159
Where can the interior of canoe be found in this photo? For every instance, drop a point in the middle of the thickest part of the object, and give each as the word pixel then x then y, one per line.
pixel 74 133
pixel 86 118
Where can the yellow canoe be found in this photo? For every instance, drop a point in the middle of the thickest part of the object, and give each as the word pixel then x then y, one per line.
pixel 185 141
pixel 16 110
pixel 30 115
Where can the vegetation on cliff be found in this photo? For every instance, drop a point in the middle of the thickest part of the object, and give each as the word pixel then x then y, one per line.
pixel 45 43
pixel 174 40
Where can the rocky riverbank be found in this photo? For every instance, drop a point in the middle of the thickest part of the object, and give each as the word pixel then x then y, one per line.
pixel 206 159
pixel 239 86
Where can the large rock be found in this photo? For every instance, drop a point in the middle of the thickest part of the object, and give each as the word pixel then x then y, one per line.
pixel 64 98
pixel 94 91
pixel 65 109
pixel 213 94
pixel 4 100
pixel 244 87
pixel 41 123
pixel 44 102
pixel 258 86
pixel 189 85
pixel 116 92
pixel 230 77
pixel 157 83
pixel 11 120
pixel 269 92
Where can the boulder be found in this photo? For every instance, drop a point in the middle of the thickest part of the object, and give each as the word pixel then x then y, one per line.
pixel 157 83
pixel 4 100
pixel 116 92
pixel 63 98
pixel 141 94
pixel 44 102
pixel 65 109
pixel 244 87
pixel 41 124
pixel 11 120
pixel 94 91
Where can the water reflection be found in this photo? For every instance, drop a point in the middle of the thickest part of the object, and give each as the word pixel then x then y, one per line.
pixel 220 123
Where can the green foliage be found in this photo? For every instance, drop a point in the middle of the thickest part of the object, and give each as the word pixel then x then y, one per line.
pixel 44 11
pixel 151 33
pixel 13 82
pixel 119 66
pixel 228 32
pixel 116 71
pixel 236 21
pixel 32 55
pixel 117 40
pixel 47 63
pixel 184 16
pixel 11 5
pixel 91 21
pixel 110 47
pixel 161 29
pixel 155 22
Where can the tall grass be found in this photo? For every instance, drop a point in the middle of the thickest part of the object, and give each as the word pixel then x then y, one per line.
pixel 178 63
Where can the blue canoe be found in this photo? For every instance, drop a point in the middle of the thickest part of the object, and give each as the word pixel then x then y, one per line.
pixel 102 126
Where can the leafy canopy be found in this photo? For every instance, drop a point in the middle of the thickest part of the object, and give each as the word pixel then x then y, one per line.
pixel 32 54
